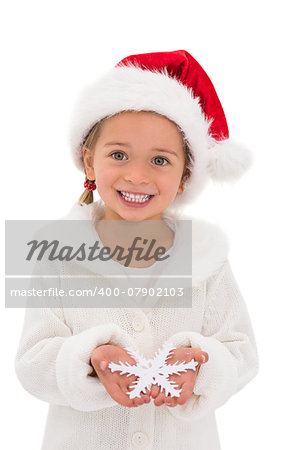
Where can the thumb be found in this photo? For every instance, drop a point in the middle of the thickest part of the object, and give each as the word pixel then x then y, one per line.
pixel 203 357
pixel 103 365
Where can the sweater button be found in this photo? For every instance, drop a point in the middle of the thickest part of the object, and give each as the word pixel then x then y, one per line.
pixel 140 440
pixel 137 324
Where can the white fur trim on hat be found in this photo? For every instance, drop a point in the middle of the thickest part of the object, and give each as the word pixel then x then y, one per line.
pixel 229 160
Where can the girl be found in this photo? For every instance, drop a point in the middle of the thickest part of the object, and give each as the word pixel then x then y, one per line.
pixel 148 135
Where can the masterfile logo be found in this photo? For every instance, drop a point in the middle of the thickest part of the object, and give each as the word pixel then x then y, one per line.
pixel 98 263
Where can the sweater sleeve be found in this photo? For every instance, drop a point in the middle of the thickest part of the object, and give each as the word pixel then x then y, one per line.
pixel 227 336
pixel 53 364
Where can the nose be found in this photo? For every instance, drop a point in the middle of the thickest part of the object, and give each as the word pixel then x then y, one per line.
pixel 137 173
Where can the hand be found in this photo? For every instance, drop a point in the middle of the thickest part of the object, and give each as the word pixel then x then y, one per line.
pixel 185 381
pixel 116 384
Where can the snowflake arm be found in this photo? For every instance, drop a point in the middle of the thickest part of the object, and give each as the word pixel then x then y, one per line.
pixel 139 359
pixel 176 368
pixel 162 356
pixel 124 368
pixel 167 385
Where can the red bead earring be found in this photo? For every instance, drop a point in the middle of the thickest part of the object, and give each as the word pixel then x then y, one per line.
pixel 90 185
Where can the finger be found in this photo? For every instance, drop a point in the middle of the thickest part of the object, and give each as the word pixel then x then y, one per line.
pixel 154 390
pixel 171 401
pixel 147 392
pixel 120 396
pixel 201 357
pixel 205 357
pixel 159 400
pixel 124 388
pixel 138 401
pixel 146 397
pixel 133 401
pixel 187 390
pixel 103 365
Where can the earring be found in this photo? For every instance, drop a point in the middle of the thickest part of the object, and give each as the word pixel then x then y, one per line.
pixel 90 185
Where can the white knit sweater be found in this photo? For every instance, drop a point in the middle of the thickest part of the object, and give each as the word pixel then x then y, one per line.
pixel 52 361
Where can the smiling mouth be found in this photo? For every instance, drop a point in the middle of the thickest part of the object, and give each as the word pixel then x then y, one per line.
pixel 135 198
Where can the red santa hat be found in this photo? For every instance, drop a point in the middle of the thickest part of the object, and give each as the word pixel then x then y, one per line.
pixel 174 85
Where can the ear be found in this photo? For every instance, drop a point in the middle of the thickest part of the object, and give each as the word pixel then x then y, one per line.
pixel 181 185
pixel 87 158
pixel 180 189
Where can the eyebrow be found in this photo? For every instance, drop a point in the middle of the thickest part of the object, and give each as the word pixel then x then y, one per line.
pixel 162 150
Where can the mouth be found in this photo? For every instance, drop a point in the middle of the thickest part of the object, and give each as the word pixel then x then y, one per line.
pixel 135 200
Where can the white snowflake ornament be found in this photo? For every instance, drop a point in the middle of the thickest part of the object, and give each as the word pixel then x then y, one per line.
pixel 153 371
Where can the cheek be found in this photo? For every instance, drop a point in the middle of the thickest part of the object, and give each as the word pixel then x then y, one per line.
pixel 169 184
pixel 105 176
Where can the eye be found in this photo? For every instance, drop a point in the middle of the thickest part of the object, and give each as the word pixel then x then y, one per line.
pixel 119 155
pixel 160 160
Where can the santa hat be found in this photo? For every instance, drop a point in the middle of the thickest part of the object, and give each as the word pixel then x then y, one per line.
pixel 174 85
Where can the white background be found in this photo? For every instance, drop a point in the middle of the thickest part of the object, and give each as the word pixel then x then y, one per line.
pixel 250 50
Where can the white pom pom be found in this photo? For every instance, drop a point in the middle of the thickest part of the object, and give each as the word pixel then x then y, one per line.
pixel 228 161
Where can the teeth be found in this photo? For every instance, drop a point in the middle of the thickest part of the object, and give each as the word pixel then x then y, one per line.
pixel 140 198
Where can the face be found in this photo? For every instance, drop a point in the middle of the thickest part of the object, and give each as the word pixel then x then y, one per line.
pixel 137 155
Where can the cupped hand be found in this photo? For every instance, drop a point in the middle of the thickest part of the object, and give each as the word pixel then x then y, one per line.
pixel 185 381
pixel 116 385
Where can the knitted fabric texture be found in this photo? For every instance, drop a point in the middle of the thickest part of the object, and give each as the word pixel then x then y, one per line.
pixel 52 363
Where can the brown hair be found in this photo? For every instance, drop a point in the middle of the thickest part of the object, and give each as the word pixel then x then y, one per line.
pixel 90 142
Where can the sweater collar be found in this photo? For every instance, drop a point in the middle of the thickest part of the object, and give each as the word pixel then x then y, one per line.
pixel 210 245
